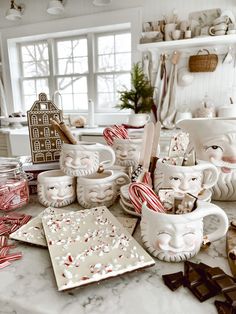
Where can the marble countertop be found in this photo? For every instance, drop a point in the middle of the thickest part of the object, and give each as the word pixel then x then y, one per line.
pixel 28 286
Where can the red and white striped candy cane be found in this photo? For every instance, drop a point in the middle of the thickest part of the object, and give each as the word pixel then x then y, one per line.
pixel 115 131
pixel 139 193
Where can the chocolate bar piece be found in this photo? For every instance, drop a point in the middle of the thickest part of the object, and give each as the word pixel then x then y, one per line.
pixel 224 308
pixel 199 285
pixel 215 272
pixel 225 284
pixel 231 297
pixel 173 281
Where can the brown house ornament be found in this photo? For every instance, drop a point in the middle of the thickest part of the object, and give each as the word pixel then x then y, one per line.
pixel 44 140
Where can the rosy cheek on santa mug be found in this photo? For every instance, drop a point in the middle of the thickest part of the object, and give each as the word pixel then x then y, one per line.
pixel 162 240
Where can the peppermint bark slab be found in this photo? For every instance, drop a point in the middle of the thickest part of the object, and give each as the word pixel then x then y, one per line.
pixel 33 232
pixel 90 245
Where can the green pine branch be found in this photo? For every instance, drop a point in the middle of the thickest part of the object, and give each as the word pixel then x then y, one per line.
pixel 140 97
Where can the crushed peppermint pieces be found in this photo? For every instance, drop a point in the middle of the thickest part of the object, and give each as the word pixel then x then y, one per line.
pixel 9 223
pixel 90 245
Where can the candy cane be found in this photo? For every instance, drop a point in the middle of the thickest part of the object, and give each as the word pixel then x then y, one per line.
pixel 140 193
pixel 115 131
pixel 8 224
pixel 4 264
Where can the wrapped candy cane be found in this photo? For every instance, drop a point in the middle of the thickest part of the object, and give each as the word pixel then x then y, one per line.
pixel 140 193
pixel 115 131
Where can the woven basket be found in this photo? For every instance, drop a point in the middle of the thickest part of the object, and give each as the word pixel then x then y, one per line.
pixel 203 63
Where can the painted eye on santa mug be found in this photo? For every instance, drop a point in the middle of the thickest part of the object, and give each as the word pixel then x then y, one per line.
pixel 175 179
pixel 214 148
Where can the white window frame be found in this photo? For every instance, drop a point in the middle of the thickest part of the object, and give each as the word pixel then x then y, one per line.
pixel 131 17
pixel 97 73
pixel 91 75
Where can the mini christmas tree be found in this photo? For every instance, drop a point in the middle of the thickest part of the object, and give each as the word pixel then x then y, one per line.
pixel 140 97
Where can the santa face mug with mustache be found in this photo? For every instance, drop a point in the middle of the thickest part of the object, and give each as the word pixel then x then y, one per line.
pixel 100 189
pixel 214 140
pixel 175 238
pixel 55 188
pixel 196 179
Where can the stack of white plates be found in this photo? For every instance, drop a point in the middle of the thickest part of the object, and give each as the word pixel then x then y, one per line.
pixel 125 201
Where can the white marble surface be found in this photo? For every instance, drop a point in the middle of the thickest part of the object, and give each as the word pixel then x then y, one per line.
pixel 28 286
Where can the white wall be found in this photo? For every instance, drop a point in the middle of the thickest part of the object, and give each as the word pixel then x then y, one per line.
pixel 35 12
pixel 36 9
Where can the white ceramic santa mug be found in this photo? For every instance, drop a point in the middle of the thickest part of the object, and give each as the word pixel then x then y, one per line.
pixel 186 179
pixel 127 151
pixel 100 189
pixel 55 188
pixel 214 140
pixel 175 238
pixel 84 158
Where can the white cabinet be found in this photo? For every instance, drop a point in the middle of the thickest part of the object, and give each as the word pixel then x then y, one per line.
pixel 5 150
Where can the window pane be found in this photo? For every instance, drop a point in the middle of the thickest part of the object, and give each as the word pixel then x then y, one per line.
pixel 29 69
pixel 28 53
pixel 123 42
pixel 65 66
pixel 123 61
pixel 105 83
pixel 29 100
pixel 80 102
pixel 64 49
pixel 42 68
pixel 80 84
pixel 29 87
pixel 41 51
pixel 67 101
pixel 42 86
pixel 122 81
pixel 81 65
pixel 106 63
pixel 105 101
pixel 105 44
pixel 80 48
pixel 65 85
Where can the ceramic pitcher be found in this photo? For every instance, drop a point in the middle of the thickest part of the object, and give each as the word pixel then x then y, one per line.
pixel 214 140
pixel 174 238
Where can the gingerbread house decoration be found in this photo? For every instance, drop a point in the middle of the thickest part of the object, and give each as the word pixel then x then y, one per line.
pixel 44 140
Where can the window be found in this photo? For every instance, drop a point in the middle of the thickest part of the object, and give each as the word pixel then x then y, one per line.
pixel 67 65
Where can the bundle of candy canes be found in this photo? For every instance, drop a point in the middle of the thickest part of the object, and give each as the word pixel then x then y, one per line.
pixel 9 223
pixel 140 192
pixel 115 131
pixel 14 193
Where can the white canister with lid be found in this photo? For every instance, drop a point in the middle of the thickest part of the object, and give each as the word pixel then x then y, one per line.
pixel 227 111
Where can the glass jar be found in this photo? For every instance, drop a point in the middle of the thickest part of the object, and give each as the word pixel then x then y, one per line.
pixel 14 191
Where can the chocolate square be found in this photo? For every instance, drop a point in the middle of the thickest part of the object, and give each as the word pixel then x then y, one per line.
pixel 215 272
pixel 224 308
pixel 173 281
pixel 231 297
pixel 225 283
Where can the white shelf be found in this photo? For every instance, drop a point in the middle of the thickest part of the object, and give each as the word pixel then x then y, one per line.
pixel 198 42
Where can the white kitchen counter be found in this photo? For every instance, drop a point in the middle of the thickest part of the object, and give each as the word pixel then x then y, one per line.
pixel 28 286
pixel 19 144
